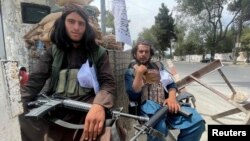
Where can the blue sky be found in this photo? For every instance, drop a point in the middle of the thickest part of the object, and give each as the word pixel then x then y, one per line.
pixel 141 13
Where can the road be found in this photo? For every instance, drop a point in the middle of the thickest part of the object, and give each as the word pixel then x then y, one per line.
pixel 209 103
pixel 237 75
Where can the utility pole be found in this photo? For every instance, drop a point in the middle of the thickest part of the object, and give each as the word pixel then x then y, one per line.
pixel 2 41
pixel 103 16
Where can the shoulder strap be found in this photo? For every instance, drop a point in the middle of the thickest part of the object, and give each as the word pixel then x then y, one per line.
pixel 95 56
pixel 158 65
pixel 131 64
pixel 57 55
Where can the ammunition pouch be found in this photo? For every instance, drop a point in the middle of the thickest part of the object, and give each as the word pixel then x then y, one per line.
pixel 68 85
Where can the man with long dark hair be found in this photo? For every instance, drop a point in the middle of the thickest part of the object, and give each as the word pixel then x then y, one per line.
pixel 73 52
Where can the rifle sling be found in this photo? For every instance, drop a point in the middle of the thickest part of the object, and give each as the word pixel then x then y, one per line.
pixel 108 122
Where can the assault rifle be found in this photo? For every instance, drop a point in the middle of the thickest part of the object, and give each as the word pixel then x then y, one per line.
pixel 44 105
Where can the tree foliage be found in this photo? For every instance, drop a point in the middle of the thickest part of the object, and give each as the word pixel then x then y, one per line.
pixel 180 29
pixel 164 29
pixel 147 34
pixel 110 21
pixel 210 14
pixel 245 40
pixel 243 6
pixel 246 37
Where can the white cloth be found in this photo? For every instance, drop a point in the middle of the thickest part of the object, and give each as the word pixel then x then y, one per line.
pixel 166 79
pixel 87 77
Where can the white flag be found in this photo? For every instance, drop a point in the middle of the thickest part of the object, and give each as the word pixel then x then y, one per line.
pixel 121 22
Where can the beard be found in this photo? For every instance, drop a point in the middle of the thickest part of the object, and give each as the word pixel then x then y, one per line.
pixel 142 63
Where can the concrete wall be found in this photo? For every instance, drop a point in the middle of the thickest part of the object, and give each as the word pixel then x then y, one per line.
pixel 10 101
pixel 198 58
pixel 13 30
pixel 14 54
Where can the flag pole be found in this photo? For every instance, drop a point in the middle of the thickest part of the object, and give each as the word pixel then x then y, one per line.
pixel 103 17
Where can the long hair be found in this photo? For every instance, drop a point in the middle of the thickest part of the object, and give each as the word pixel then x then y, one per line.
pixel 59 34
pixel 142 42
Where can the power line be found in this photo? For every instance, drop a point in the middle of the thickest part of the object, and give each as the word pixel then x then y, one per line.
pixel 139 6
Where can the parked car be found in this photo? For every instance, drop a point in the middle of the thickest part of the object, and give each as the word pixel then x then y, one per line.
pixel 206 60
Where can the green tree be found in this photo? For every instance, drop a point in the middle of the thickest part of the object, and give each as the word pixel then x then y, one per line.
pixel 227 45
pixel 147 34
pixel 164 29
pixel 245 40
pixel 193 43
pixel 244 7
pixel 180 29
pixel 210 13
pixel 110 21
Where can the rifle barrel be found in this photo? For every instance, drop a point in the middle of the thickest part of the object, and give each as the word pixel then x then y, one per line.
pixel 82 106
pixel 76 105
pixel 141 118
pixel 157 116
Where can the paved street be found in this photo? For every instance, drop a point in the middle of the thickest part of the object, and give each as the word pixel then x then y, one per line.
pixel 208 103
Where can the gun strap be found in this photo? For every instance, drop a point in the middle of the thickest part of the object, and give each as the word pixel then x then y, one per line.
pixel 156 133
pixel 108 122
pixel 66 124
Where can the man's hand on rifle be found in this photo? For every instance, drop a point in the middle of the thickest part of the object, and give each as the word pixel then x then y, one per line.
pixel 171 102
pixel 94 122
